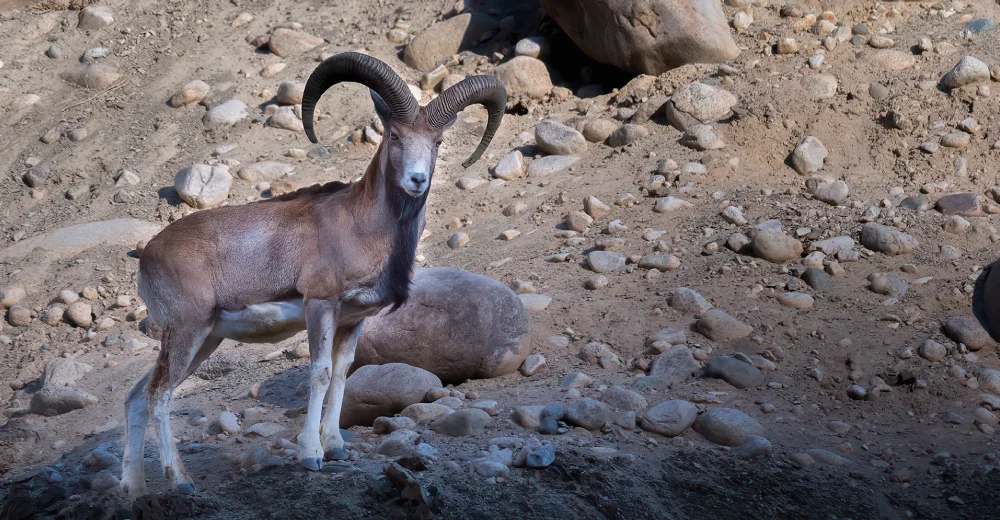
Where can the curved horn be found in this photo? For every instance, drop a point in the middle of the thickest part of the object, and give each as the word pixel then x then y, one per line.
pixel 482 90
pixel 359 68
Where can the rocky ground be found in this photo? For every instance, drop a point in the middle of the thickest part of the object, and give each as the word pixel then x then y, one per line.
pixel 801 228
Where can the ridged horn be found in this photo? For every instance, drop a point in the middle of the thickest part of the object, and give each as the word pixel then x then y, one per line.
pixel 482 90
pixel 363 69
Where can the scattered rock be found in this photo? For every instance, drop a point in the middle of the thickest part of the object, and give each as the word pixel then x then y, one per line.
pixel 809 156
pixel 598 130
pixel 888 285
pixel 374 391
pixel 229 423
pixel 670 418
pixel 967 71
pixel 965 204
pixel 12 295
pixel 830 192
pixel 191 93
pixel 510 167
pixel 94 17
pixel 225 114
pixel 290 92
pixel 57 400
pixel 968 331
pixel 733 371
pixel 462 423
pixel 384 425
pixel 688 301
pixel 626 135
pixel 604 261
pixel 887 240
pixel 587 413
pixel 528 416
pixel 753 446
pixel 674 366
pixel 796 300
pixel 399 443
pixel 551 164
pixel 63 372
pixel 726 426
pixel 288 42
pixel 203 186
pixel 558 139
pixel 671 203
pixel 265 170
pixel 425 412
pixel 820 86
pixel 525 76
pixel 93 76
pixel 932 350
pixel 619 398
pixel 775 246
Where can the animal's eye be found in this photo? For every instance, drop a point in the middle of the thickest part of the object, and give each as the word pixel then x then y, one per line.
pixel 394 136
pixel 437 143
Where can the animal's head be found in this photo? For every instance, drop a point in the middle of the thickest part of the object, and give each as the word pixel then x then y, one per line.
pixel 412 133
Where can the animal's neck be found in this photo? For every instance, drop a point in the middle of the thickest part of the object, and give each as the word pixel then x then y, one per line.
pixel 394 213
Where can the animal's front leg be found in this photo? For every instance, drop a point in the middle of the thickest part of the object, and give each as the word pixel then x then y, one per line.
pixel 321 322
pixel 343 356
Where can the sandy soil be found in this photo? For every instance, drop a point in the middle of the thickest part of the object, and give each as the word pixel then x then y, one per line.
pixel 160 46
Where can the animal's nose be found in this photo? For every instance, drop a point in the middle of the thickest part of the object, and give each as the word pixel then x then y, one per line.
pixel 418 178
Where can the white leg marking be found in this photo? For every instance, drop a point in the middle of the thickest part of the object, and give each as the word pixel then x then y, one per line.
pixel 321 319
pixel 133 482
pixel 342 360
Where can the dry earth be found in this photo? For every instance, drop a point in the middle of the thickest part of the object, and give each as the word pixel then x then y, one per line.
pixel 917 449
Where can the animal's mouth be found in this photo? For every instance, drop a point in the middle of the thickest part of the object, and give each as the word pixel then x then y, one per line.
pixel 414 193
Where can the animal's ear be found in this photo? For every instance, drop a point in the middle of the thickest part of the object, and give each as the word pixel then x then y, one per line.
pixel 381 109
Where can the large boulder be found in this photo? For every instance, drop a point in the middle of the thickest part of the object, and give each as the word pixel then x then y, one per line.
pixel 646 36
pixel 383 390
pixel 448 37
pixel 457 325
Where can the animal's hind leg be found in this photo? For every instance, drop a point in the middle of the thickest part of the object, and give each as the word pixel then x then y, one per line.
pixel 345 343
pixel 133 482
pixel 178 358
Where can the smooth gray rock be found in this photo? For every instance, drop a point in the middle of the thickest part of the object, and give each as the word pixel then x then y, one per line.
pixel 733 371
pixel 675 365
pixel 670 418
pixel 456 324
pixel 383 390
pixel 726 426
pixel 718 325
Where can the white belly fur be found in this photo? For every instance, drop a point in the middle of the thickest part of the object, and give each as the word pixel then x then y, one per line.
pixel 272 322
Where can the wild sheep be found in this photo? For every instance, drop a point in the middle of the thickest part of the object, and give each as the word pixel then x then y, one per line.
pixel 320 259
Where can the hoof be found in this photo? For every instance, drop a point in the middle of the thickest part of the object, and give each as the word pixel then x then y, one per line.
pixel 185 489
pixel 336 454
pixel 312 463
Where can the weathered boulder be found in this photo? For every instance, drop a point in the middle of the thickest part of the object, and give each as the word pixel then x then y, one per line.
pixel 448 37
pixel 457 325
pixel 383 390
pixel 646 36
